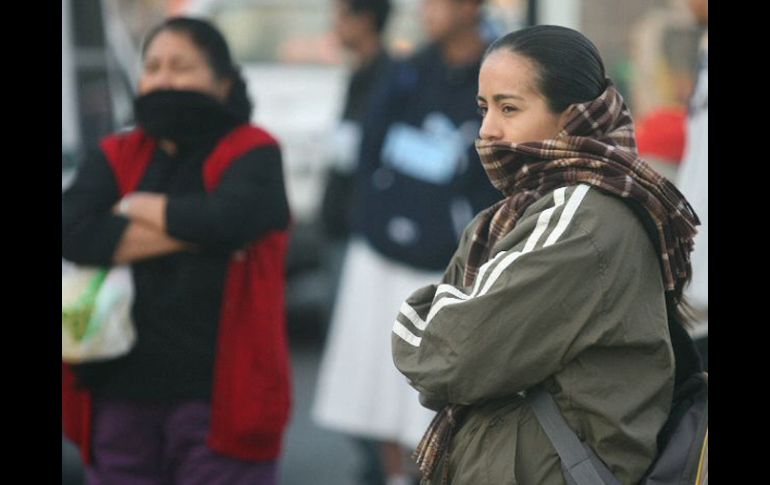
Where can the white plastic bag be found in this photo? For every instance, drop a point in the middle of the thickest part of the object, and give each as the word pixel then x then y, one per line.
pixel 96 313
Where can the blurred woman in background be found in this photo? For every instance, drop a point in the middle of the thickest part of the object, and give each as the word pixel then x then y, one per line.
pixel 193 199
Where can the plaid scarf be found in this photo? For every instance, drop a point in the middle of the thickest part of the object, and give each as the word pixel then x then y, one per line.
pixel 597 148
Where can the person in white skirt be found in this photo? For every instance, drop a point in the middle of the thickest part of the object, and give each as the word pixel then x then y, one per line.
pixel 419 183
pixel 360 392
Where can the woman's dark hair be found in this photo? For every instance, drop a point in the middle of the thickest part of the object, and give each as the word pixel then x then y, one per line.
pixel 214 46
pixel 380 10
pixel 569 65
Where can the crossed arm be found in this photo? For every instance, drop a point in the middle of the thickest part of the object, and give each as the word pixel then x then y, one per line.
pixel 100 229
pixel 145 236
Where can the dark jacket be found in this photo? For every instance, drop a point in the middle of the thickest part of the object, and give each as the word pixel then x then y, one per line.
pixel 420 180
pixel 339 197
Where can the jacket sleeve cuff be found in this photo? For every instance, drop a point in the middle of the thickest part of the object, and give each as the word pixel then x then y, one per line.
pixel 96 251
pixel 183 219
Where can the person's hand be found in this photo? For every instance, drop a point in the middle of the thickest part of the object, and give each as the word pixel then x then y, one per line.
pixel 144 207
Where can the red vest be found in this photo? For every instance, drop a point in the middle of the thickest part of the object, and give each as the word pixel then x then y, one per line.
pixel 251 395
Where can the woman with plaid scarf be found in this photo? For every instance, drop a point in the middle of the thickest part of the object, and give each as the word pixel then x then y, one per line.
pixel 573 281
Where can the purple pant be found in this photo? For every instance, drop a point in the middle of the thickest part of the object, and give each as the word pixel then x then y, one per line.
pixel 164 444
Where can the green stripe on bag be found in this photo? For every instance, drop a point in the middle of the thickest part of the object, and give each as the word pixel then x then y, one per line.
pixel 76 317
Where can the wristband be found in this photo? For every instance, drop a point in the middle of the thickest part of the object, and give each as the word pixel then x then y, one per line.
pixel 123 206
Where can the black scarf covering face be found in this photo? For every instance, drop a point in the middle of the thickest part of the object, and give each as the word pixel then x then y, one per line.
pixel 184 117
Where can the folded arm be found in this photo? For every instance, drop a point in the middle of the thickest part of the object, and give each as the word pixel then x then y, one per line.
pixel 534 307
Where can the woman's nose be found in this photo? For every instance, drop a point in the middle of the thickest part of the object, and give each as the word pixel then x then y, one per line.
pixel 158 80
pixel 490 129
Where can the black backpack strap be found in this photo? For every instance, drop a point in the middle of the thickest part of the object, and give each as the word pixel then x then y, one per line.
pixel 579 462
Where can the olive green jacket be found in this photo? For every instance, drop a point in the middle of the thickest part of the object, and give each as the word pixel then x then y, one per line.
pixel 572 298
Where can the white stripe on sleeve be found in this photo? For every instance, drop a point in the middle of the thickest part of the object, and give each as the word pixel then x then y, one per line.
pixel 410 313
pixel 405 334
pixel 444 288
pixel 544 219
pixel 566 217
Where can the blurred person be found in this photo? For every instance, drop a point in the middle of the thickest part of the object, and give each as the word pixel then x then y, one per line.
pixel 359 27
pixel 418 183
pixel 572 282
pixel 693 181
pixel 193 199
pixel 660 138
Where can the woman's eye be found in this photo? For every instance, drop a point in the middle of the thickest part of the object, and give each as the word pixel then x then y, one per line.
pixel 481 110
pixel 510 109
pixel 150 67
pixel 183 67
